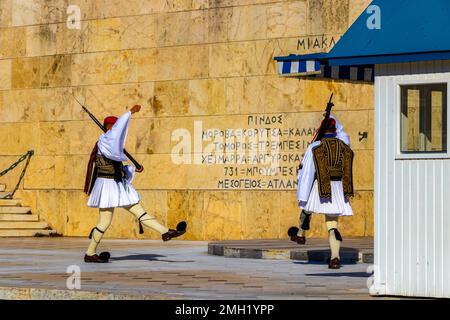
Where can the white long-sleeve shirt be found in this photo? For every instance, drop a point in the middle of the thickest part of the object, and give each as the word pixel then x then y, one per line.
pixel 306 174
pixel 111 143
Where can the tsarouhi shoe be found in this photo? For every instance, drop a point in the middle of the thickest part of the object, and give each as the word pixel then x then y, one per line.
pixel 292 232
pixel 181 229
pixel 298 239
pixel 334 264
pixel 94 259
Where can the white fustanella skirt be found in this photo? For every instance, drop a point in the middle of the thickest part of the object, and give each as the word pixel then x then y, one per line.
pixel 108 193
pixel 337 206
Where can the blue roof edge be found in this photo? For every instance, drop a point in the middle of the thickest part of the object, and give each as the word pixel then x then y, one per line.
pixel 386 59
pixel 304 57
pixel 365 60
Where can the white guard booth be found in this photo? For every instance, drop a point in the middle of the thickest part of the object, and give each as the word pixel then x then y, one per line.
pixel 404 47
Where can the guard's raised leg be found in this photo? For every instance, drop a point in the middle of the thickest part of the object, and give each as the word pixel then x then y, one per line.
pixel 150 221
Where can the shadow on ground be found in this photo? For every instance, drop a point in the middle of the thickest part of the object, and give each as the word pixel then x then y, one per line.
pixel 340 274
pixel 146 257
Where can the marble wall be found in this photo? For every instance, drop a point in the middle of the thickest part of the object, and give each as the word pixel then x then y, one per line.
pixel 186 62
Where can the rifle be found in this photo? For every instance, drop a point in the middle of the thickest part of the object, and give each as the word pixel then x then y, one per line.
pixel 324 125
pixel 100 125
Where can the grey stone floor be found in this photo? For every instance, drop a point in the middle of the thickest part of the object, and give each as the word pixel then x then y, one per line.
pixel 177 269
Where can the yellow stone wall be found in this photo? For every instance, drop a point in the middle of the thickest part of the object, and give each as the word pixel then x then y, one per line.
pixel 184 61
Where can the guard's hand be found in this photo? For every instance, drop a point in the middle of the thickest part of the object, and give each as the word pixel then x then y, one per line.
pixel 140 169
pixel 136 108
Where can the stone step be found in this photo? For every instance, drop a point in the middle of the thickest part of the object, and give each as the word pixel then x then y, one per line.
pixel 15 225
pixel 26 233
pixel 15 210
pixel 354 250
pixel 10 202
pixel 2 187
pixel 18 217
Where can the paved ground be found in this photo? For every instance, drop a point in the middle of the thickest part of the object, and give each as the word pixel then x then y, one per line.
pixel 177 269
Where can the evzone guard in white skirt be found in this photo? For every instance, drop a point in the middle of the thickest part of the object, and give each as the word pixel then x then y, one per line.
pixel 325 185
pixel 108 184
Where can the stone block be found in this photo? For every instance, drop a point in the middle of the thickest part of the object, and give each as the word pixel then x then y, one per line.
pixel 70 172
pixel 261 214
pixel 71 40
pixel 41 40
pixel 89 69
pixel 40 173
pixel 116 99
pixel 218 24
pixel 139 32
pixel 54 138
pixel 12 42
pixel 25 73
pixel 244 95
pixel 178 68
pixel 54 10
pixel 363 167
pixel 56 71
pixel 79 218
pixel 5 13
pixel 20 137
pixel 233 59
pixel 235 3
pixel 247 23
pixel 104 35
pixel 223 216
pixel 171 98
pixel 25 13
pixel 327 16
pixel 5 75
pixel 180 28
pixel 359 127
pixel 10 179
pixel 286 19
pixel 365 98
pixel 51 207
pixel 264 54
pixel 283 94
pixel 207 97
pixel 317 94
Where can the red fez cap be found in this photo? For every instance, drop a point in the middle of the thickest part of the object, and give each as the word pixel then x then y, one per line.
pixel 331 124
pixel 109 120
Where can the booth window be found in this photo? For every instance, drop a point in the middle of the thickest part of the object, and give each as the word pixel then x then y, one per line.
pixel 424 118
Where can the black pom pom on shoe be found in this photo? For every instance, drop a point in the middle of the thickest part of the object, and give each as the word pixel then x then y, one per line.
pixel 105 256
pixel 181 226
pixel 292 232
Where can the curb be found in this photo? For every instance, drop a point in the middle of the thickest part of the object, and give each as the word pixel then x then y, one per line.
pixel 348 255
pixel 18 293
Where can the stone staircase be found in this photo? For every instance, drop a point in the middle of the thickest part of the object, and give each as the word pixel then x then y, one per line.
pixel 18 221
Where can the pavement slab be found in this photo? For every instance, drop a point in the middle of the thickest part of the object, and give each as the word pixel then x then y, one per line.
pixel 353 250
pixel 39 268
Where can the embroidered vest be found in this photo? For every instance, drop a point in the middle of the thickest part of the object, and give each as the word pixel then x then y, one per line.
pixel 107 168
pixel 333 161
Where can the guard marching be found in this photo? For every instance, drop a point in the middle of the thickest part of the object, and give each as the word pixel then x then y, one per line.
pixel 109 185
pixel 325 185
